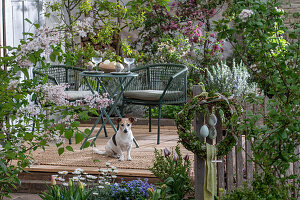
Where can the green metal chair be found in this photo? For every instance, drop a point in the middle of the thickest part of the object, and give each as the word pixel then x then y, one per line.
pixel 58 74
pixel 157 85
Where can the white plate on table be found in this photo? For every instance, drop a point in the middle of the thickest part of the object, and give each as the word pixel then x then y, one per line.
pixel 120 73
pixel 93 72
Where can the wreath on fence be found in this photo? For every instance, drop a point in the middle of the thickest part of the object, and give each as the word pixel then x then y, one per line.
pixel 201 103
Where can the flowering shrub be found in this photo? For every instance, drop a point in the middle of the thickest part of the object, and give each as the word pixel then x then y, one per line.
pixel 258 41
pixel 245 14
pixel 28 106
pixel 42 41
pixel 190 20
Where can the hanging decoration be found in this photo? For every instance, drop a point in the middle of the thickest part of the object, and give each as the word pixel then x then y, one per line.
pixel 203 104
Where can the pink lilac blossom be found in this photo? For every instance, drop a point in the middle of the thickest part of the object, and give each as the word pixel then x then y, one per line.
pixel 53 94
pixel 245 14
pixel 97 101
pixel 55 137
pixel 32 110
pixel 56 94
pixel 43 38
pixel 13 84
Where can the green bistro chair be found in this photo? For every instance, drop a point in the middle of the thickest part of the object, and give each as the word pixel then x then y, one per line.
pixel 157 85
pixel 58 74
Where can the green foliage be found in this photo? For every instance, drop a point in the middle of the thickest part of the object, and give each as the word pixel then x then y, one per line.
pixel 25 108
pixel 167 111
pixel 234 80
pixel 174 171
pixel 188 137
pixel 260 190
pixel 169 50
pixel 274 63
pixel 74 191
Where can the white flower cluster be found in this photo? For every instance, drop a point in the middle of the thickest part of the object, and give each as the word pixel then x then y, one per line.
pixel 97 101
pixel 56 94
pixel 53 94
pixel 222 78
pixel 167 46
pixel 31 109
pixel 67 120
pixel 279 10
pixel 245 14
pixel 105 177
pixel 167 50
pixel 84 27
pixel 13 84
pixel 43 38
pixel 55 137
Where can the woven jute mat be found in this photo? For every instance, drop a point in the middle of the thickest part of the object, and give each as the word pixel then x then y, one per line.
pixel 142 157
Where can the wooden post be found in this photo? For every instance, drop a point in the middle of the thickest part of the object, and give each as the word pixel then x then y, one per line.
pixel 239 162
pixel 199 163
pixel 220 166
pixel 249 165
pixel 229 169
pixel 297 171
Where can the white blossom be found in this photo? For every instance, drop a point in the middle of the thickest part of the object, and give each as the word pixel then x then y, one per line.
pixel 83 27
pixel 31 109
pixel 13 84
pixel 63 172
pixel 279 10
pixel 245 14
pixel 43 38
pixel 91 177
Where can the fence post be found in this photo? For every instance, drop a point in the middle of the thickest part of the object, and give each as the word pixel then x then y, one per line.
pixel 220 166
pixel 199 163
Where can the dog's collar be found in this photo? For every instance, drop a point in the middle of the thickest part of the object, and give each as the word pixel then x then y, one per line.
pixel 114 139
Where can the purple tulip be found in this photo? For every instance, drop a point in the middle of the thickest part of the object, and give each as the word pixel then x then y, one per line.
pixel 175 156
pixel 167 152
pixel 186 157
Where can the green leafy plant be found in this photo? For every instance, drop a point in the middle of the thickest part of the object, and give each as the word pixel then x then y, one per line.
pixel 27 104
pixel 174 171
pixel 74 191
pixel 256 33
pixel 167 111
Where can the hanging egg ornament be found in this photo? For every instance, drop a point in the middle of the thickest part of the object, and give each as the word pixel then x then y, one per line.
pixel 212 132
pixel 204 131
pixel 212 120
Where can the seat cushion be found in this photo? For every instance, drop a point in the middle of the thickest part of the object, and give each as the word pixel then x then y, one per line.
pixel 77 95
pixel 152 95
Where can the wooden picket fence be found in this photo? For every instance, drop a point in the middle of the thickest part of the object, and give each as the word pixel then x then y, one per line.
pixel 236 168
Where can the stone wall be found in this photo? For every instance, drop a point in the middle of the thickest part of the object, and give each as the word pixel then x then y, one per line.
pixel 291 7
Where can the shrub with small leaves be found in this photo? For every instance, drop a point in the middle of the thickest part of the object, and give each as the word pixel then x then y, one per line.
pixel 225 79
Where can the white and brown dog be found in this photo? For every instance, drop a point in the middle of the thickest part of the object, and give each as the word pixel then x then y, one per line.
pixel 120 141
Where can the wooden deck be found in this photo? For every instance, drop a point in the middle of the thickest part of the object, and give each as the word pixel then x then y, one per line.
pixel 143 156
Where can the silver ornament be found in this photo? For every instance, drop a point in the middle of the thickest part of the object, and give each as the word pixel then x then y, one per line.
pixel 212 132
pixel 212 120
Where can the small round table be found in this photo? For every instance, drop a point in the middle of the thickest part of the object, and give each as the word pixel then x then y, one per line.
pixel 124 80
